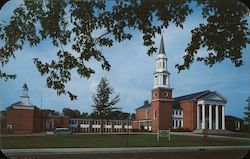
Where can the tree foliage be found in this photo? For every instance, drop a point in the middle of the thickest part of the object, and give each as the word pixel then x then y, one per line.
pixel 76 23
pixel 85 115
pixel 103 105
pixel 120 115
pixel 50 112
pixel 71 113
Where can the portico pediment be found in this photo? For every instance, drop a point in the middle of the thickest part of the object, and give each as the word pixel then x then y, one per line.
pixel 215 97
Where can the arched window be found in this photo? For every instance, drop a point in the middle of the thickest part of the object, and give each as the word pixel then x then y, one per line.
pixel 155 114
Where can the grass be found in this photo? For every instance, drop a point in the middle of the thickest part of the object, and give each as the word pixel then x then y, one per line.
pixel 94 140
pixel 241 135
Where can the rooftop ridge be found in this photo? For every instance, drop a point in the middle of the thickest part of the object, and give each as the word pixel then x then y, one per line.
pixel 192 94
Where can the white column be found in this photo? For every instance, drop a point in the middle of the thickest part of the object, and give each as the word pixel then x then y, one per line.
pixel 203 116
pixel 174 124
pixel 216 118
pixel 198 116
pixel 182 123
pixel 210 116
pixel 223 118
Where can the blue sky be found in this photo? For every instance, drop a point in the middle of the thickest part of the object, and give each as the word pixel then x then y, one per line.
pixel 131 73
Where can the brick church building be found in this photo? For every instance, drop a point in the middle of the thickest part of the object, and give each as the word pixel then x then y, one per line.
pixel 196 111
pixel 24 117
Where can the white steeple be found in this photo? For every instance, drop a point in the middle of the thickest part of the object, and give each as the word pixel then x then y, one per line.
pixel 24 96
pixel 161 75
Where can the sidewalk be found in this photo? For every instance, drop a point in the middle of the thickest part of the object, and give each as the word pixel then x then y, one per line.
pixel 120 150
pixel 209 136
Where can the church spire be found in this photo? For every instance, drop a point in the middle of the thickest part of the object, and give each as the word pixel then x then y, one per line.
pixel 162 50
pixel 25 95
pixel 161 75
pixel 25 91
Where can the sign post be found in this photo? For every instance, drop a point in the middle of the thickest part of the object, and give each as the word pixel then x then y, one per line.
pixel 163 133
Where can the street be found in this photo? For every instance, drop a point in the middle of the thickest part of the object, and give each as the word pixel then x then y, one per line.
pixel 173 154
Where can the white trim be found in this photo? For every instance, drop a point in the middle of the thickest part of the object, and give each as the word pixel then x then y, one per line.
pixel 117 126
pixel 108 126
pixel 136 121
pixel 96 126
pixel 201 102
pixel 224 98
pixel 127 127
pixel 164 100
pixel 84 126
pixel 24 107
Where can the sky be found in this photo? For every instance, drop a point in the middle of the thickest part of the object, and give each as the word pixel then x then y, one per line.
pixel 131 73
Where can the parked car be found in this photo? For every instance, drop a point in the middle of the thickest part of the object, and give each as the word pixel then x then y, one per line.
pixel 63 131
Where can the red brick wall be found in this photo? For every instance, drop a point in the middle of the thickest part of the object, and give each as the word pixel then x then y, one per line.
pixel 230 123
pixel 20 119
pixel 165 115
pixel 158 93
pixel 38 120
pixel 60 121
pixel 141 114
pixel 163 118
pixel 155 121
pixel 189 115
pixel 163 109
pixel 135 125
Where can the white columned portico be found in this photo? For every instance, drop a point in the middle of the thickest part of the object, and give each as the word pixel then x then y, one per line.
pixel 198 116
pixel 203 116
pixel 210 117
pixel 216 117
pixel 223 118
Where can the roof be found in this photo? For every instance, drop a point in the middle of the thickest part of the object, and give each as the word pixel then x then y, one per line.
pixel 193 96
pixel 233 117
pixel 189 97
pixel 20 103
pixel 146 105
pixel 161 49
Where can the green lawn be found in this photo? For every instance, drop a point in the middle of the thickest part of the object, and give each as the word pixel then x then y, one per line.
pixel 91 140
pixel 241 135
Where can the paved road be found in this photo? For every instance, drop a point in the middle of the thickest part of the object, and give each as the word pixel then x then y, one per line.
pixel 132 152
pixel 121 150
pixel 202 154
